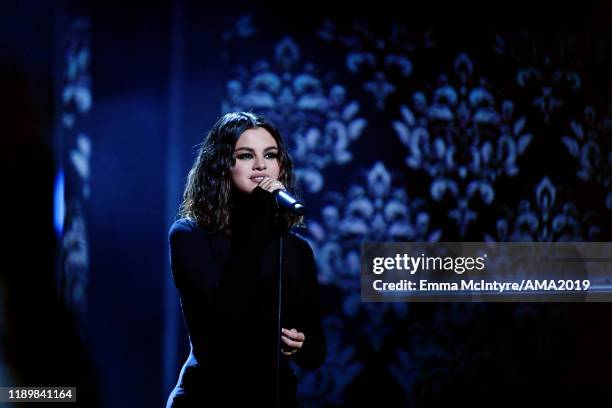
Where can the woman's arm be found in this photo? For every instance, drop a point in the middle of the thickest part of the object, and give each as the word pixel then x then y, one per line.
pixel 192 270
pixel 189 256
pixel 314 349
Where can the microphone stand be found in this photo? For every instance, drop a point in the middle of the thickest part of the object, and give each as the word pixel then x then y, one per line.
pixel 288 204
pixel 278 322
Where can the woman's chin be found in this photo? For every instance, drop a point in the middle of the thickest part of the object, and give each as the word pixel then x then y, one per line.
pixel 246 188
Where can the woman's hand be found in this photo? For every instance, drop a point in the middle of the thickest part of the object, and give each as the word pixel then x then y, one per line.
pixel 271 185
pixel 293 339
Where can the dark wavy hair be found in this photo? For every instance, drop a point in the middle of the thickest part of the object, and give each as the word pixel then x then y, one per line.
pixel 207 196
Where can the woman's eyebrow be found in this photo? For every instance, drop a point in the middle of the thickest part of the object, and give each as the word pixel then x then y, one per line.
pixel 252 150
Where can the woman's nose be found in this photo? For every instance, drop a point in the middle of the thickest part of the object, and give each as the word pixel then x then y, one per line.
pixel 259 164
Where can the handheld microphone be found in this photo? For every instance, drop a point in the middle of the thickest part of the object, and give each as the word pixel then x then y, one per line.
pixel 288 203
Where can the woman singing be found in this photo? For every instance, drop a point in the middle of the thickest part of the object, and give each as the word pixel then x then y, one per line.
pixel 224 256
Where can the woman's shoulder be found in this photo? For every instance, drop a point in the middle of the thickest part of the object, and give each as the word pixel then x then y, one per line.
pixel 299 240
pixel 187 228
pixel 183 225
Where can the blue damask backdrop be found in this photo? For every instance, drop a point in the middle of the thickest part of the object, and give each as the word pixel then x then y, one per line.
pixel 406 128
pixel 405 122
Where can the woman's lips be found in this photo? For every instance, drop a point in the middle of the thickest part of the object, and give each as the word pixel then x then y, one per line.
pixel 257 179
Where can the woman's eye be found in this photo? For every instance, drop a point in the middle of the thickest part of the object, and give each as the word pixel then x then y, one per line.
pixel 249 156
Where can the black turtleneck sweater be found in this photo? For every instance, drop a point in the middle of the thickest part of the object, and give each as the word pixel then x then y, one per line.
pixel 228 290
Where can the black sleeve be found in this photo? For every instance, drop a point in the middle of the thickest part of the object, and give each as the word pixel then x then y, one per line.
pixel 313 352
pixel 191 262
pixel 188 256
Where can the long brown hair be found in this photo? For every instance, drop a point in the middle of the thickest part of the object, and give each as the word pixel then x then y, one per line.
pixel 207 196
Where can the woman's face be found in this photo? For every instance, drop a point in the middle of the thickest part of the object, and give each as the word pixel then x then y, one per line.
pixel 256 155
